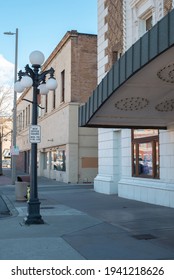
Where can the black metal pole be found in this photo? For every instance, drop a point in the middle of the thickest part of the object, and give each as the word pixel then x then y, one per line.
pixel 34 216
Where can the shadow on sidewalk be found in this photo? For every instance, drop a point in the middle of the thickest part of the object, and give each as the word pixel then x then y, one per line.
pixel 4 180
pixel 4 211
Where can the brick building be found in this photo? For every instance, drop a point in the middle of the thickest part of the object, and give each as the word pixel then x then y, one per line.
pixel 66 153
pixel 133 103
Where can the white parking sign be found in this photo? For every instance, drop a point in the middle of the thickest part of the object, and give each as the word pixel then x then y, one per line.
pixel 35 134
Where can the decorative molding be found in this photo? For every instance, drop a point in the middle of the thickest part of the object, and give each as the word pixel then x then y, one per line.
pixel 124 26
pixel 133 3
pixel 160 10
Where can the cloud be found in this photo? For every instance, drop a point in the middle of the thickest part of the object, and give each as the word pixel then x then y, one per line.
pixel 6 72
pixel 6 85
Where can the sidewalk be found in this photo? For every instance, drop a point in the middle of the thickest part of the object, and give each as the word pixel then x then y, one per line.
pixel 4 180
pixel 82 224
pixel 4 211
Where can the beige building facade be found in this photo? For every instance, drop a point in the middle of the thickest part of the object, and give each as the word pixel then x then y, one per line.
pixel 66 152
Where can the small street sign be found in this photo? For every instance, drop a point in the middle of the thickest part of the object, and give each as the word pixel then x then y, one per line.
pixel 14 150
pixel 35 134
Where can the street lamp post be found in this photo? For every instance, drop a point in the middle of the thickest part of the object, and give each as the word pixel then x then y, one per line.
pixel 32 77
pixel 13 157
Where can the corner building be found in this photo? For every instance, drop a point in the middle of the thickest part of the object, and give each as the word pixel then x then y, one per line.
pixel 133 103
pixel 66 153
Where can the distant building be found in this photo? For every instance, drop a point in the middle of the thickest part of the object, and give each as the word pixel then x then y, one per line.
pixel 5 140
pixel 66 153
pixel 133 103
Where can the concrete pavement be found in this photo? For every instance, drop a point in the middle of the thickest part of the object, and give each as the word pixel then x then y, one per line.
pixel 82 224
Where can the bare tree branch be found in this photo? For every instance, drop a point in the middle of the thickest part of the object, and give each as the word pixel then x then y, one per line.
pixel 6 100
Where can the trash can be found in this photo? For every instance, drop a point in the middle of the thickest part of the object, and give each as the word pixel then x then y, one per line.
pixel 23 181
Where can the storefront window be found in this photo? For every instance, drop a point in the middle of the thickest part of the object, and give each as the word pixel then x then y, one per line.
pixel 46 160
pixel 58 160
pixel 145 151
pixel 53 159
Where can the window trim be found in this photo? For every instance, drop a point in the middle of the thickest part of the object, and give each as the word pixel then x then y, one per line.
pixel 54 99
pixel 149 139
pixel 62 86
pixel 46 103
pixel 146 22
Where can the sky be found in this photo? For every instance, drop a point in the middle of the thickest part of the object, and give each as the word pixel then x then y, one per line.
pixel 41 26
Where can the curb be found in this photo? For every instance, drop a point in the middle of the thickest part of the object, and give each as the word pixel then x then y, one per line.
pixel 10 206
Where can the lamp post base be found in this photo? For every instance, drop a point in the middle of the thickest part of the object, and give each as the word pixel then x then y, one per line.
pixel 33 216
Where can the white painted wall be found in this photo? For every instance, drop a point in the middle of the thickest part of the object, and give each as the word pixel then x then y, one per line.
pixel 105 182
pixel 109 147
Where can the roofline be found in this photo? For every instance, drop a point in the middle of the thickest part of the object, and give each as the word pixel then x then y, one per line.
pixel 64 40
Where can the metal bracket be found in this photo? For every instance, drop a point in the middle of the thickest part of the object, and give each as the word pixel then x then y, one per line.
pixel 32 103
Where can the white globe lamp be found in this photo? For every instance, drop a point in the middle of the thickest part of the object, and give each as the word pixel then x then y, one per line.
pixel 37 58
pixel 51 84
pixel 18 87
pixel 43 89
pixel 26 81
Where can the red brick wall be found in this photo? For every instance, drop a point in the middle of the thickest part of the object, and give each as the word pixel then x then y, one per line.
pixel 83 67
pixel 167 6
pixel 114 19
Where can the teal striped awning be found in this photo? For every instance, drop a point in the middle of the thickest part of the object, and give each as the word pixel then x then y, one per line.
pixel 138 92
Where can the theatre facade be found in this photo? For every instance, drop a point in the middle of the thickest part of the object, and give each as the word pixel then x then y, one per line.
pixel 133 104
